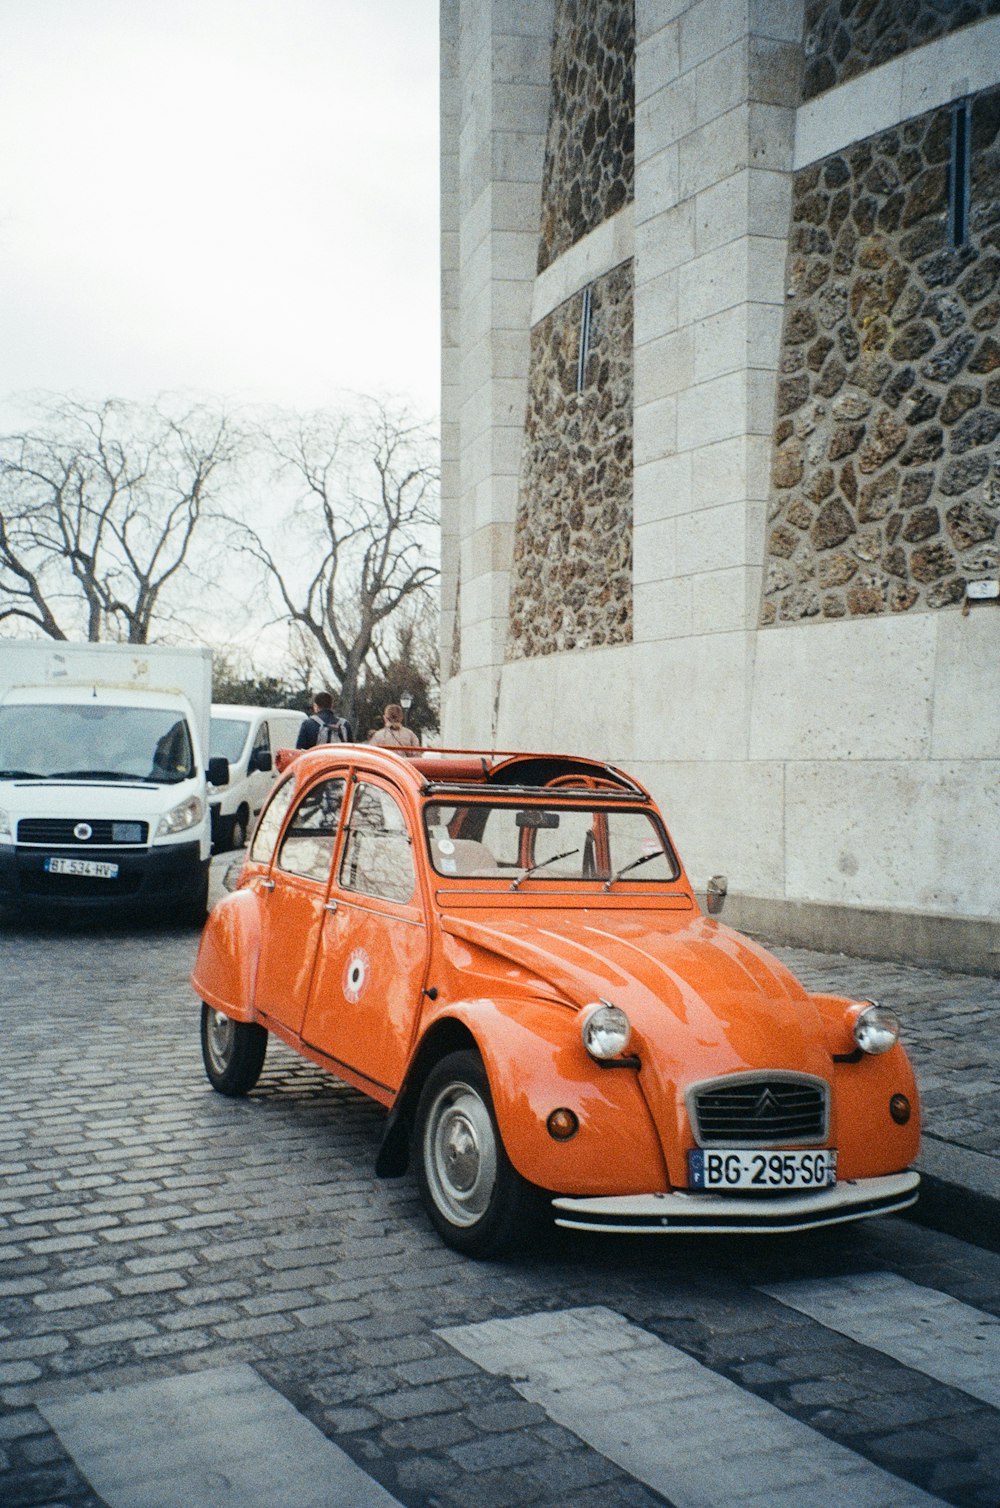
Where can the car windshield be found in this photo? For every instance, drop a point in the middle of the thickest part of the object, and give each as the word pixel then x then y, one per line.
pixel 227 737
pixel 517 841
pixel 90 741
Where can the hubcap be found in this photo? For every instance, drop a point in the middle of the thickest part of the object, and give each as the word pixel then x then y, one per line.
pixel 460 1154
pixel 220 1037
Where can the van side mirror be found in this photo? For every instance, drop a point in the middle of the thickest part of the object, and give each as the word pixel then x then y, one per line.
pixel 715 898
pixel 261 760
pixel 218 770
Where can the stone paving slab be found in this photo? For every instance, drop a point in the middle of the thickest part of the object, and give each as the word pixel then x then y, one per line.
pixel 196 1440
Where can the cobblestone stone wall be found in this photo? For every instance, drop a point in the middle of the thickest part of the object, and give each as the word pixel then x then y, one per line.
pixel 589 152
pixel 571 586
pixel 886 474
pixel 844 38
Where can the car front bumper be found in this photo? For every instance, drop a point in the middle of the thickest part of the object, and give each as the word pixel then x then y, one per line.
pixel 682 1212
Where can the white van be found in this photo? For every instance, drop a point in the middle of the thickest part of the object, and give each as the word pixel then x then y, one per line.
pixel 104 773
pixel 249 737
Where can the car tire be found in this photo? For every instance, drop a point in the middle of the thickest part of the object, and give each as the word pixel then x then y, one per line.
pixel 477 1201
pixel 232 1051
pixel 239 829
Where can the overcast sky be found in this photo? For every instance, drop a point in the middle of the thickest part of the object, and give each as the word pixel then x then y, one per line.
pixel 231 196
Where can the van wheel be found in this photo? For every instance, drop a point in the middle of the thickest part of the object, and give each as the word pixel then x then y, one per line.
pixel 239 829
pixel 477 1201
pixel 232 1051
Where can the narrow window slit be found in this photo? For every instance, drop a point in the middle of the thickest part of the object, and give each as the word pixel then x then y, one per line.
pixel 958 173
pixel 584 346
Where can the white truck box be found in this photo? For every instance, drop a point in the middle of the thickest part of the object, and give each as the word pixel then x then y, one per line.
pixel 104 754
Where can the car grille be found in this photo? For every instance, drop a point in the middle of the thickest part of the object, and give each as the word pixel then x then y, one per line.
pixel 53 831
pixel 759 1111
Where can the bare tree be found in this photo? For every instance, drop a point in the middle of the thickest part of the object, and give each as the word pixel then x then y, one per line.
pixel 99 504
pixel 364 518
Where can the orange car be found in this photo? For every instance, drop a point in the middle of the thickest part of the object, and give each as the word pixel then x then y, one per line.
pixel 505 951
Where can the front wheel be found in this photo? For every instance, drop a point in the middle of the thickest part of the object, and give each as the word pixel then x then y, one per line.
pixel 477 1201
pixel 232 1051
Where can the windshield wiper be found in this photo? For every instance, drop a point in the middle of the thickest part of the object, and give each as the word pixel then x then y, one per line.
pixel 634 865
pixel 554 859
pixel 22 775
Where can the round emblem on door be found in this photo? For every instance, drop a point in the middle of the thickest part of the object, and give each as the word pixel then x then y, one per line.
pixel 83 831
pixel 356 975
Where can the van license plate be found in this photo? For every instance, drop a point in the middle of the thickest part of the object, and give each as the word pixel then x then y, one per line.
pixel 728 1168
pixel 94 869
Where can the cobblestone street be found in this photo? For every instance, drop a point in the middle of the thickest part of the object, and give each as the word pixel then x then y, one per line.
pixel 152 1230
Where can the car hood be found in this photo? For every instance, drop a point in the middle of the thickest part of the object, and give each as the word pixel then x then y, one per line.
pixel 702 999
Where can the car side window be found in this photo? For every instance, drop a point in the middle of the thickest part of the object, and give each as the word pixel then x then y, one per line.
pixel 378 853
pixel 307 847
pixel 270 822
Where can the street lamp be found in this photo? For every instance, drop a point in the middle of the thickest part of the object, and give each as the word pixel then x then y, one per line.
pixel 406 702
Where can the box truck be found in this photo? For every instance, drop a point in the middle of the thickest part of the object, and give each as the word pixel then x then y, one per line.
pixel 104 770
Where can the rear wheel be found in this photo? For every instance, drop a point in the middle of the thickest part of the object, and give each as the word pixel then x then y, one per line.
pixel 232 1051
pixel 476 1199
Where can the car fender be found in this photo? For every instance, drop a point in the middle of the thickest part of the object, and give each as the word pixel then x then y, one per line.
pixel 225 970
pixel 536 1063
pixel 870 1142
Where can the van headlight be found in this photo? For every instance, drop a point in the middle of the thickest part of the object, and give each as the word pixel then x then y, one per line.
pixel 6 827
pixel 188 814
pixel 605 1030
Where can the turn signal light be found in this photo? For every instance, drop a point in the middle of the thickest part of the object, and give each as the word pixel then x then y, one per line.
pixel 899 1109
pixel 562 1124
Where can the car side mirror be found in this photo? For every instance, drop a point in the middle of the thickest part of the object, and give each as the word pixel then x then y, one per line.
pixel 218 770
pixel 715 898
pixel 261 760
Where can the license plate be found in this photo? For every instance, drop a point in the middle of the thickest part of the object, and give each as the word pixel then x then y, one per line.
pixel 94 869
pixel 725 1168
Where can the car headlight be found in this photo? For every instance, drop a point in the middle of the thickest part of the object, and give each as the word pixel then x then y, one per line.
pixel 876 1028
pixel 181 817
pixel 605 1030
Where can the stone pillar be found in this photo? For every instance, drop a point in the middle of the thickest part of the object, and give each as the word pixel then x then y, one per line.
pixel 717 83
pixel 450 353
pixel 490 246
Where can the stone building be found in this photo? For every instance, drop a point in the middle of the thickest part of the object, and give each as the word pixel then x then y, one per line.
pixel 721 435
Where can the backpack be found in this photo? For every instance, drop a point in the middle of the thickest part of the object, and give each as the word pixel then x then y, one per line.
pixel 331 733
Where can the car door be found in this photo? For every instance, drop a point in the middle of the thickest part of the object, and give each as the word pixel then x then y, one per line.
pixel 372 959
pixel 293 897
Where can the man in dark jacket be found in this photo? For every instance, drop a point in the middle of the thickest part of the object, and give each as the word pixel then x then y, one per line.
pixel 323 726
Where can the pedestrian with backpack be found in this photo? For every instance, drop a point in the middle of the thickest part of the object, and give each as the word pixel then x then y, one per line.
pixel 323 726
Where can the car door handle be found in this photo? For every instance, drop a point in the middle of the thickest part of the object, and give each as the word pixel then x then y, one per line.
pixel 330 906
pixel 267 884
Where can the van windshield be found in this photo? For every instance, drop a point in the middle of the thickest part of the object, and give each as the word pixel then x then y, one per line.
pixel 94 742
pixel 227 737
